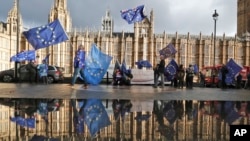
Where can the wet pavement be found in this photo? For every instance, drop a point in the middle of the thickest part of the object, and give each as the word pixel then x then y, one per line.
pixel 61 112
pixel 142 92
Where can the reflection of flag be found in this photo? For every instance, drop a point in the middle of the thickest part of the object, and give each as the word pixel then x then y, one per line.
pixel 169 112
pixel 95 115
pixel 196 69
pixel 46 35
pixel 143 63
pixel 233 69
pixel 168 51
pixel 171 70
pixel 24 55
pixel 231 114
pixel 24 122
pixel 133 15
pixel 96 65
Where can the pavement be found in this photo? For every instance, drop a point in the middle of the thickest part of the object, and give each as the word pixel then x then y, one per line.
pixel 104 91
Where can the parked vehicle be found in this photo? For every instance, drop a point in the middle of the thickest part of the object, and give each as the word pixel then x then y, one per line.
pixel 212 75
pixel 55 74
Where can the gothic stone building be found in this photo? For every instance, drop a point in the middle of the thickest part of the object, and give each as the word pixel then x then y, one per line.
pixel 142 44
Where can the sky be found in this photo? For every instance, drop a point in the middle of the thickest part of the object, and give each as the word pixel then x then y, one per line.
pixel 171 16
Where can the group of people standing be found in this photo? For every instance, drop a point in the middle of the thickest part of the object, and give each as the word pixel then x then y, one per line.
pixel 36 71
pixel 178 79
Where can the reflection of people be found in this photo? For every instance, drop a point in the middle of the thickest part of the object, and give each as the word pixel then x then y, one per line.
pixel 224 72
pixel 43 71
pixel 161 72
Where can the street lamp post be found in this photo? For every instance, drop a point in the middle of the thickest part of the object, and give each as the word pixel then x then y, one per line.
pixel 215 17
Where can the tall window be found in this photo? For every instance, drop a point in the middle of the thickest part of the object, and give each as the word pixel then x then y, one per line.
pixel 206 54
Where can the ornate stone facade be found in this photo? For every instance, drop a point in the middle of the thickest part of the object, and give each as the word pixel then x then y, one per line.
pixel 143 43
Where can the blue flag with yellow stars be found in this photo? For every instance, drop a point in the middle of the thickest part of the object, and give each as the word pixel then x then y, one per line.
pixel 95 116
pixel 133 15
pixel 233 69
pixel 168 51
pixel 171 70
pixel 96 65
pixel 46 35
pixel 24 55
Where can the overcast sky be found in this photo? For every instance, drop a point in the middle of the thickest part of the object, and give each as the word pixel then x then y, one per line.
pixel 182 16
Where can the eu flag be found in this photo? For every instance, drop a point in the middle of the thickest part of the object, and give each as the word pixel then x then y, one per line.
pixel 24 55
pixel 46 35
pixel 143 63
pixel 168 51
pixel 233 69
pixel 46 59
pixel 95 116
pixel 96 65
pixel 124 68
pixel 171 70
pixel 196 69
pixel 24 122
pixel 133 15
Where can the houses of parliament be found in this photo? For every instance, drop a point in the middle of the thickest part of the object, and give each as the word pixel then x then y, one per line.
pixel 142 44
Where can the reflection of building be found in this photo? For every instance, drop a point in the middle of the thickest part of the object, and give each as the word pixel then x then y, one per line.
pixel 201 127
pixel 143 43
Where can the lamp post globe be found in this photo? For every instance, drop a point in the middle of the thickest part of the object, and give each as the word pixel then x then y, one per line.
pixel 215 17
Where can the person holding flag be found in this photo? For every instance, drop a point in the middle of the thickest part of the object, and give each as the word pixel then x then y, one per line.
pixel 161 69
pixel 43 71
pixel 79 61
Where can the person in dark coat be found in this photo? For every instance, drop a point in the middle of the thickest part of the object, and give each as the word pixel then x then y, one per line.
pixel 190 76
pixel 224 72
pixel 180 76
pixel 202 79
pixel 238 81
pixel 161 69
pixel 32 69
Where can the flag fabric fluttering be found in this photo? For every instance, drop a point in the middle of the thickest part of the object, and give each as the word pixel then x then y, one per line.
pixel 46 59
pixel 24 122
pixel 196 69
pixel 233 69
pixel 168 51
pixel 95 116
pixel 124 67
pixel 96 65
pixel 46 35
pixel 24 55
pixel 143 63
pixel 171 70
pixel 133 15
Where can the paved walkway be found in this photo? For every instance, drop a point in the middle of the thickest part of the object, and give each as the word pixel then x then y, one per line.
pixel 138 92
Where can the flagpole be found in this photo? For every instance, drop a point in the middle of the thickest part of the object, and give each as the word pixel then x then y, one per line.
pixel 17 40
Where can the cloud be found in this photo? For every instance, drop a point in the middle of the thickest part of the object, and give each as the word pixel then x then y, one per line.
pixel 182 16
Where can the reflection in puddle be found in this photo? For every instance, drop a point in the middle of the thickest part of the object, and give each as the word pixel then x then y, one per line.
pixel 85 119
